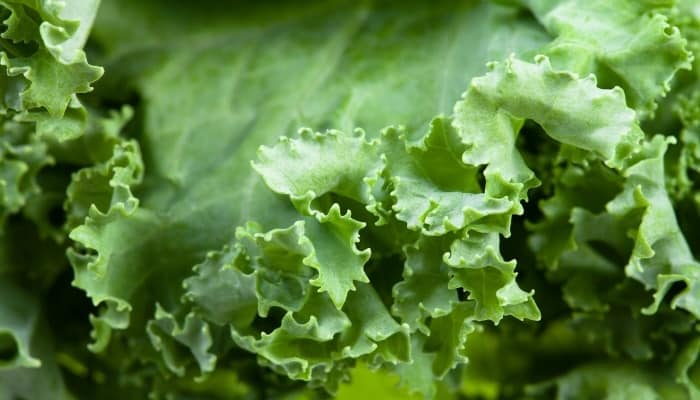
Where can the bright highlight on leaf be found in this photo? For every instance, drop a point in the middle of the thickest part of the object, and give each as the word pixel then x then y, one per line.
pixel 443 200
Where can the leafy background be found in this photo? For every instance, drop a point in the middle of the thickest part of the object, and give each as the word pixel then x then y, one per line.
pixel 143 253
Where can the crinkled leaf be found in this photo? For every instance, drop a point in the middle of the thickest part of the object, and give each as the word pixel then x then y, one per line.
pixel 478 267
pixel 106 199
pixel 314 338
pixel 52 84
pixel 58 68
pixel 335 256
pixel 428 197
pixel 316 164
pixel 222 293
pixel 571 110
pixel 434 356
pixel 661 255
pixel 244 98
pixel 294 289
pixel 191 337
pixel 424 291
pixel 626 43
pixel 21 158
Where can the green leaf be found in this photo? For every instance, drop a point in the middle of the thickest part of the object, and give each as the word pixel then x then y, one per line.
pixel 478 267
pixel 424 291
pixel 428 197
pixel 103 192
pixel 570 110
pixel 28 365
pixel 373 332
pixel 335 256
pixel 432 357
pixel 629 44
pixel 686 360
pixel 561 238
pixel 313 338
pixel 349 71
pixel 168 336
pixel 316 164
pixel 19 317
pixel 303 293
pixel 661 255
pixel 58 69
pixel 612 381
pixel 22 156
pixel 40 106
pixel 52 84
pixel 222 294
pixel 369 383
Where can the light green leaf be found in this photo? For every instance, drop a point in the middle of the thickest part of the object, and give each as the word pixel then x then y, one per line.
pixel 478 267
pixel 428 197
pixel 351 70
pixel 313 338
pixel 317 164
pixel 52 84
pixel 168 337
pixel 432 357
pixel 374 333
pixel 306 288
pixel 222 293
pixel 58 69
pixel 629 44
pixel 424 291
pixel 335 256
pixel 661 255
pixel 281 277
pixel 368 383
pixel 103 194
pixel 571 110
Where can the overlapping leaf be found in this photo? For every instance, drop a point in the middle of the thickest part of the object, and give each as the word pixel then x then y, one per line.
pixel 624 43
pixel 311 339
pixel 177 196
pixel 110 198
pixel 435 191
pixel 47 54
pixel 391 253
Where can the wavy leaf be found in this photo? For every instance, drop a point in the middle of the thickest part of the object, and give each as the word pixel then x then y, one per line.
pixel 571 110
pixel 58 69
pixel 428 197
pixel 313 339
pixel 423 293
pixel 627 43
pixel 661 255
pixel 478 267
pixel 316 164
